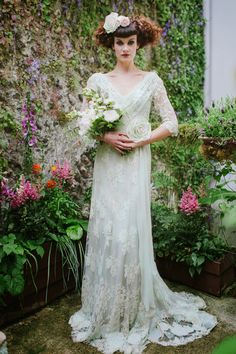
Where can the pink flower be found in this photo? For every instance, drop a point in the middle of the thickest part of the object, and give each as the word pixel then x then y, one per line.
pixel 124 21
pixel 26 191
pixel 63 172
pixel 189 203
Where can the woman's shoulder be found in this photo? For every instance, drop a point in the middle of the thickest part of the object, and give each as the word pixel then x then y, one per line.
pixel 94 76
pixel 153 75
pixel 93 80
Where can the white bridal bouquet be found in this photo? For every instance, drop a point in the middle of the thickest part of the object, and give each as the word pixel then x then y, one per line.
pixel 101 115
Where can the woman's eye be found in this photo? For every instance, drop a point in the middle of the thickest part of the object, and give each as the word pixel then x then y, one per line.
pixel 121 43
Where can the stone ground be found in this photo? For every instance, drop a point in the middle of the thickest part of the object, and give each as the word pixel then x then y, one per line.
pixel 48 331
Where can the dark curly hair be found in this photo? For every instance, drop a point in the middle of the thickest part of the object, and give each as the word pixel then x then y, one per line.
pixel 146 30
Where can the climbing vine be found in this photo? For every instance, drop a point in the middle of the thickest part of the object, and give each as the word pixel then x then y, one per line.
pixel 180 57
pixel 47 49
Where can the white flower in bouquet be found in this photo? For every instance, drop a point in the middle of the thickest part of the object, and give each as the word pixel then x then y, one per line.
pixel 111 115
pixel 139 130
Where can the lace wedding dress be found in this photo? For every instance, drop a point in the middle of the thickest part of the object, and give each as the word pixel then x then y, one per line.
pixel 125 302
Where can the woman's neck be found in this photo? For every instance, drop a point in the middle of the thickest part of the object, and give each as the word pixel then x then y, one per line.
pixel 125 67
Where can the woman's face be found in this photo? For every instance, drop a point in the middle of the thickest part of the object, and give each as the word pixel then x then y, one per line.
pixel 125 48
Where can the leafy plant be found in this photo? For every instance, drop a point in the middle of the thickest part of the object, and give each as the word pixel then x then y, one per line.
pixel 14 254
pixel 182 163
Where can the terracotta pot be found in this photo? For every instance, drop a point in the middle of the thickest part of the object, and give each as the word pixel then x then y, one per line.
pixel 31 300
pixel 214 278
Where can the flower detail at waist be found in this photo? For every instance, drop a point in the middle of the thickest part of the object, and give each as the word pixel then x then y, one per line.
pixel 138 130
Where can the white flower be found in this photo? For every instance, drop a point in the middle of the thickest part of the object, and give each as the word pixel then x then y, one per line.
pixel 111 22
pixel 111 115
pixel 107 101
pixel 124 21
pixel 139 130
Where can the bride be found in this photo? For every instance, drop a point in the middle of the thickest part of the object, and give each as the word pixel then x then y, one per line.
pixel 125 302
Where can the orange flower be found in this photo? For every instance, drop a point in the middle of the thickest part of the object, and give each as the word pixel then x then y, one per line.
pixel 36 168
pixel 51 183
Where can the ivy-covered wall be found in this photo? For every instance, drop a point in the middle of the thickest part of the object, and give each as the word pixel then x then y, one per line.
pixel 47 54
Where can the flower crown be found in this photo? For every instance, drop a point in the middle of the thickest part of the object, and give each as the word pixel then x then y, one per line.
pixel 113 21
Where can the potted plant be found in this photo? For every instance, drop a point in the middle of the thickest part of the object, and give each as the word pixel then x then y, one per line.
pixel 186 250
pixel 218 130
pixel 42 242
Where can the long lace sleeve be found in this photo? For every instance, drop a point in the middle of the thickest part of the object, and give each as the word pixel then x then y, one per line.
pixel 163 107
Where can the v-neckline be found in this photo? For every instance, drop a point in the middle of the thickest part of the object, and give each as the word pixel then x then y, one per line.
pixel 134 88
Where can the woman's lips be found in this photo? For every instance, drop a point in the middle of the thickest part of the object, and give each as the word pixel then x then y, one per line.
pixel 125 55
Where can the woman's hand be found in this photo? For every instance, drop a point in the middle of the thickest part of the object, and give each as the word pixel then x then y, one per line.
pixel 137 144
pixel 119 141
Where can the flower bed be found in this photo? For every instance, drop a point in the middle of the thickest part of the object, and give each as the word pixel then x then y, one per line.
pixel 185 236
pixel 35 212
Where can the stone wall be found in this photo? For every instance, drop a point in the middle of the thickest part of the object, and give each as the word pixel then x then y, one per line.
pixel 47 54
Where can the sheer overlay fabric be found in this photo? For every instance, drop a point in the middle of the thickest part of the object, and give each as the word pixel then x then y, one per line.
pixel 125 302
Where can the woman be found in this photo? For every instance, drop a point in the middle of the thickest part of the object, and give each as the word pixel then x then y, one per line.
pixel 125 303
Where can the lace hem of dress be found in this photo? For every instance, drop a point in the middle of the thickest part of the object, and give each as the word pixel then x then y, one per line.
pixel 176 330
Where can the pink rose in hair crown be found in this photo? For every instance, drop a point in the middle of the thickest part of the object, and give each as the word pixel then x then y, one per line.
pixel 113 21
pixel 124 21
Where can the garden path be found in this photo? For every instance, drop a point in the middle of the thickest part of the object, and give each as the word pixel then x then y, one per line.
pixel 48 332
